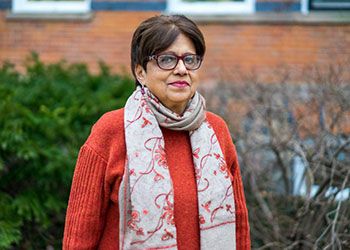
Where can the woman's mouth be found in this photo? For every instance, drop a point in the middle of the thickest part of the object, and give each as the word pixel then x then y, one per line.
pixel 179 84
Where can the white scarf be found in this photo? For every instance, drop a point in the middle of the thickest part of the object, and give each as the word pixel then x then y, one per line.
pixel 146 198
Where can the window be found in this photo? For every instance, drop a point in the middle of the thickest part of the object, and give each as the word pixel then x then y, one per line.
pixel 45 7
pixel 330 4
pixel 213 7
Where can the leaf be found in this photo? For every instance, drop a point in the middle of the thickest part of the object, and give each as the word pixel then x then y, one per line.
pixel 46 115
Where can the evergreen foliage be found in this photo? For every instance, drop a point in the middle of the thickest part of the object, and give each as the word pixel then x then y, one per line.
pixel 46 115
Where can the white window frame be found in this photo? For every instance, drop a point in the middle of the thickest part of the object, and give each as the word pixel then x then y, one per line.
pixel 210 8
pixel 48 7
pixel 304 7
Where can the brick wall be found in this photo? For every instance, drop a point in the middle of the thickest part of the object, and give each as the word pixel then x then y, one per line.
pixel 269 50
pixel 263 50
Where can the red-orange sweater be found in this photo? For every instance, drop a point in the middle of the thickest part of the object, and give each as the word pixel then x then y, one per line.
pixel 92 219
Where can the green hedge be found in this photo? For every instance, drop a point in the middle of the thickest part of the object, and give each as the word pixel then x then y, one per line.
pixel 46 114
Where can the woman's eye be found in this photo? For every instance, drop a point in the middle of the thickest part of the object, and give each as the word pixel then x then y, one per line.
pixel 189 59
pixel 167 59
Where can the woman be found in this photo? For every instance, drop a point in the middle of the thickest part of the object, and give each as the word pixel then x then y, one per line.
pixel 162 173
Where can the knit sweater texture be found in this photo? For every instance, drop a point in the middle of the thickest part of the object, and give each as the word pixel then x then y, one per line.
pixel 92 218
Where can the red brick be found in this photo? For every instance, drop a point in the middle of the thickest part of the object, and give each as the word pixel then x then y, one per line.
pixel 246 48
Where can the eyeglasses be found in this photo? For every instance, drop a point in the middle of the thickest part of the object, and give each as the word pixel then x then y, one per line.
pixel 170 61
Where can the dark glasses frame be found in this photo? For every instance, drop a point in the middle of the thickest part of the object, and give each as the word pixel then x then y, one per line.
pixel 155 57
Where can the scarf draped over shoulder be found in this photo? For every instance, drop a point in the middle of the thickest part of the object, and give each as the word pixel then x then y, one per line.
pixel 146 196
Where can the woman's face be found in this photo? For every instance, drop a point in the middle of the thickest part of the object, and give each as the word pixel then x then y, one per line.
pixel 174 88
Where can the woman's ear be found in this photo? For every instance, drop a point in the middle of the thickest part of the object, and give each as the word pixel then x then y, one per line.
pixel 140 74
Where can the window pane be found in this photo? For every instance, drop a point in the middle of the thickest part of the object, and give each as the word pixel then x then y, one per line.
pixel 332 1
pixel 56 0
pixel 51 6
pixel 191 1
pixel 330 4
pixel 209 7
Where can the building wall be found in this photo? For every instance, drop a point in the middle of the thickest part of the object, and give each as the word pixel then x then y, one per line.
pixel 269 50
pixel 259 49
pixel 106 37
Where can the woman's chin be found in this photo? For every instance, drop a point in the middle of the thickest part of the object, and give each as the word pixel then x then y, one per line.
pixel 176 104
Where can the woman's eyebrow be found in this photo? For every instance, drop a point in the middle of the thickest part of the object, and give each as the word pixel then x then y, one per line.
pixel 173 53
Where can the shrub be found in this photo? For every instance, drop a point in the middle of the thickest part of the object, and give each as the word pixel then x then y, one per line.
pixel 293 141
pixel 46 114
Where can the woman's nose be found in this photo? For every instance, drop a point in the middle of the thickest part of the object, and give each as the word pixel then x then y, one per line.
pixel 180 68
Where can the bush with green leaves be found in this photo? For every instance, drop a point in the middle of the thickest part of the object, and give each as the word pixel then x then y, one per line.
pixel 45 115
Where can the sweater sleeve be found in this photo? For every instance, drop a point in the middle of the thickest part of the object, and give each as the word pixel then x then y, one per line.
pixel 86 206
pixel 242 225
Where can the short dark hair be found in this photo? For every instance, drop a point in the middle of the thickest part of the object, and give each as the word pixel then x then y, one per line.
pixel 157 33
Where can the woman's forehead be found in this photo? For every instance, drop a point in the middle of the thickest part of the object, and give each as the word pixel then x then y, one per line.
pixel 182 44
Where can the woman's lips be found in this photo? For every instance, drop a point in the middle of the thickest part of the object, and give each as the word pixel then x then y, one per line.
pixel 179 84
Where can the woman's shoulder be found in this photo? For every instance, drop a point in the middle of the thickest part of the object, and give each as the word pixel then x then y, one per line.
pixel 107 132
pixel 217 122
pixel 224 136
pixel 110 122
